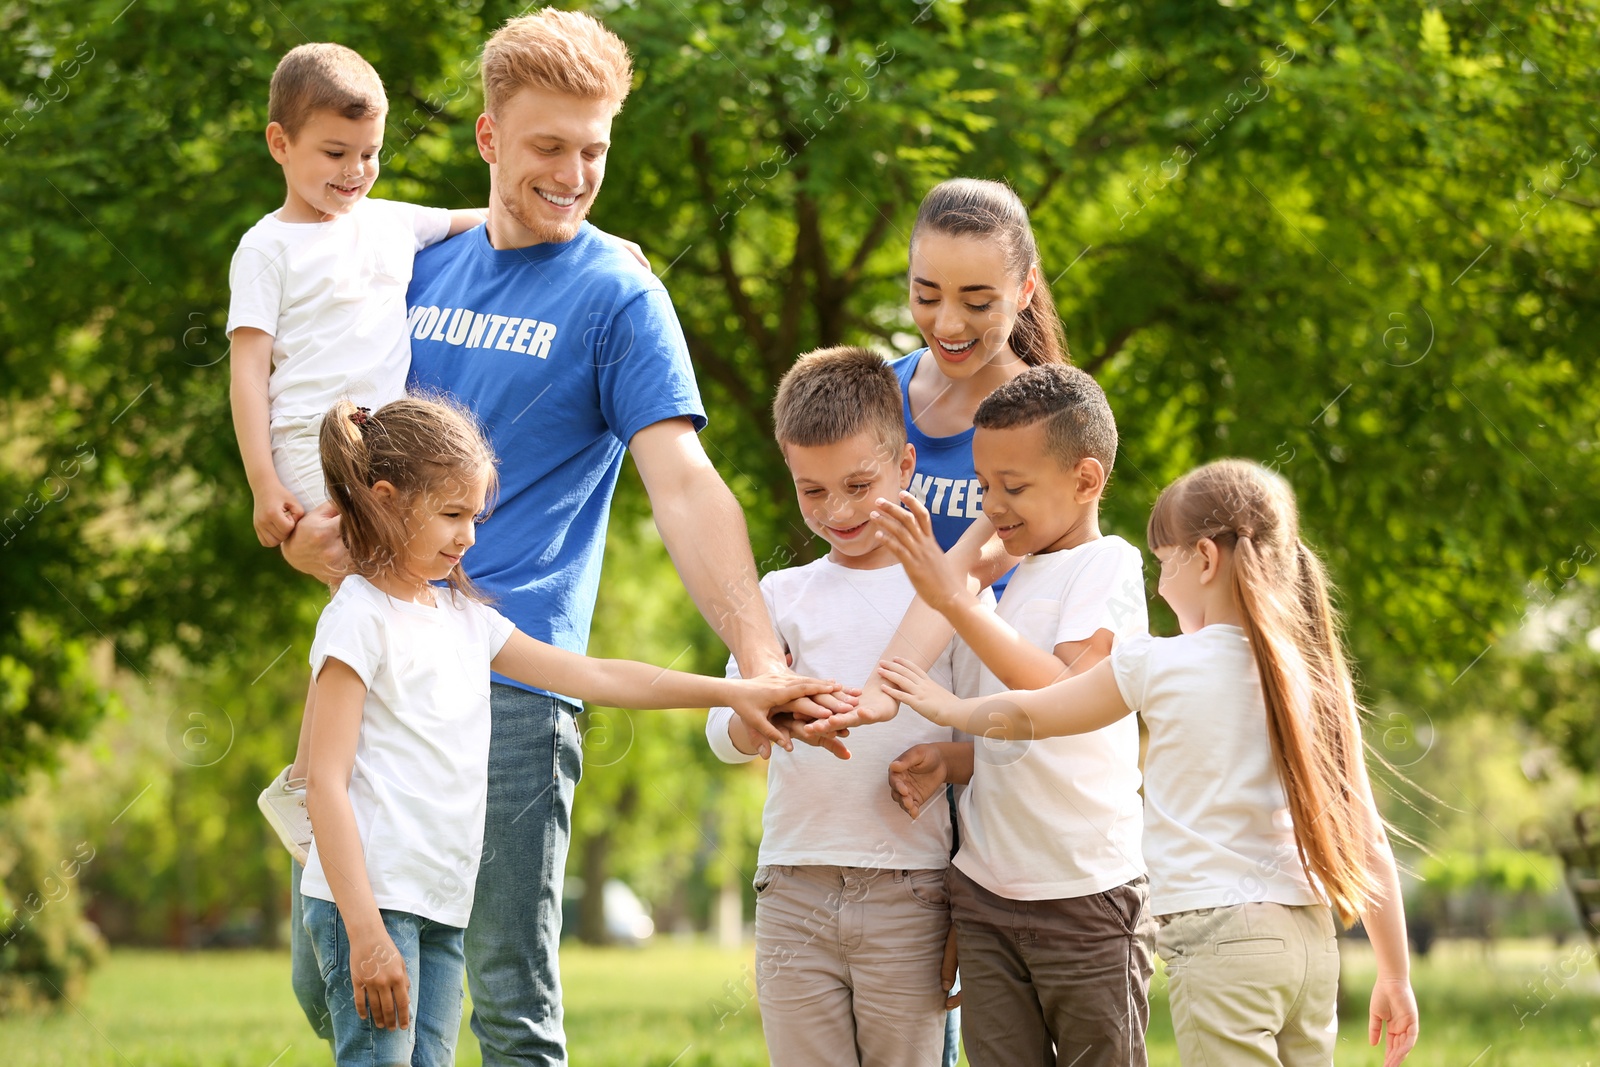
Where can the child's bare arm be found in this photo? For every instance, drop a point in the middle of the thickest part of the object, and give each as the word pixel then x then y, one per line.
pixel 621 683
pixel 1075 705
pixel 377 970
pixel 1393 1004
pixel 250 364
pixel 940 582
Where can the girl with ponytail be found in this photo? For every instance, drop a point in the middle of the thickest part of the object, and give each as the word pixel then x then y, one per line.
pixel 399 775
pixel 1260 825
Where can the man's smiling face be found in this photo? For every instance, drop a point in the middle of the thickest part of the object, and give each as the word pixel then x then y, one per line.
pixel 547 157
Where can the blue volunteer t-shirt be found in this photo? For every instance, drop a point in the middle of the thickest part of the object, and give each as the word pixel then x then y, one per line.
pixel 564 352
pixel 945 479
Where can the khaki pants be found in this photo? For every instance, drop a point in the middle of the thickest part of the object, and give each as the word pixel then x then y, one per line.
pixel 1252 984
pixel 1053 983
pixel 847 965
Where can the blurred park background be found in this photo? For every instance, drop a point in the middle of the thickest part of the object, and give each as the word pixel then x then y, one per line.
pixel 1355 241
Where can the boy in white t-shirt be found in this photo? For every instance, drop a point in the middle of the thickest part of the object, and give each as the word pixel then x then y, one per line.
pixel 852 916
pixel 1047 891
pixel 318 310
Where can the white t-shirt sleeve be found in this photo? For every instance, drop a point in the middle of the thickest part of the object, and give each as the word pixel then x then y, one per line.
pixel 350 630
pixel 717 719
pixel 429 225
pixel 255 285
pixel 498 629
pixel 1105 594
pixel 1130 665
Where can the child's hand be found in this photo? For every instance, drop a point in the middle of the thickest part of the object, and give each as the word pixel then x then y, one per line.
pixel 909 536
pixel 276 513
pixel 1393 1003
pixel 947 971
pixel 918 774
pixel 814 732
pixel 872 705
pixel 908 683
pixel 382 987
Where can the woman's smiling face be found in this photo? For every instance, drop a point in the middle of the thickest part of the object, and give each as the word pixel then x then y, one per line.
pixel 964 300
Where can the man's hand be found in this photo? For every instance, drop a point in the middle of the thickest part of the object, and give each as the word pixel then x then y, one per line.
pixel 918 774
pixel 908 533
pixel 315 547
pixel 276 512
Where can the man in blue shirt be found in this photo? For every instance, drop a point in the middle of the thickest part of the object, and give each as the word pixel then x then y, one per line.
pixel 569 353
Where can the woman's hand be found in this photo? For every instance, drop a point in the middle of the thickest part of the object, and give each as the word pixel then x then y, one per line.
pixel 910 684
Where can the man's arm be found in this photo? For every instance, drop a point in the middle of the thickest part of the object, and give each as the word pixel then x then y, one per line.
pixel 704 530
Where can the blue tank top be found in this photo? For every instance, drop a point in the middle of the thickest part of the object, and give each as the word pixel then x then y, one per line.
pixel 944 480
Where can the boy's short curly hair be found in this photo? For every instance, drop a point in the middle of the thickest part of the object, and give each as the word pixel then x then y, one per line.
pixel 323 77
pixel 835 393
pixel 1078 420
pixel 557 51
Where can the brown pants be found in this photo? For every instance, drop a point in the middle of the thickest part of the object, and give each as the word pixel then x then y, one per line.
pixel 1053 983
pixel 847 965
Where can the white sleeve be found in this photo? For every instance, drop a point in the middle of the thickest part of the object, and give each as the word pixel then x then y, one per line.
pixel 350 630
pixel 497 628
pixel 717 720
pixel 255 288
pixel 1130 665
pixel 1108 594
pixel 429 225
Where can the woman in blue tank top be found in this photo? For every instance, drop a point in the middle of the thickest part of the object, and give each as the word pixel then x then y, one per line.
pixel 985 315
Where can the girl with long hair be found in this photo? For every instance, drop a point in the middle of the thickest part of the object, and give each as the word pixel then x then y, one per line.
pixel 1260 827
pixel 399 777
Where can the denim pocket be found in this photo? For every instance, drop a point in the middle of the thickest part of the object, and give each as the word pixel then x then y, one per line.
pixel 326 932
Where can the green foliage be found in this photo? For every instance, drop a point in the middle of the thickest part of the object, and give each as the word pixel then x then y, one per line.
pixel 1355 242
pixel 46 947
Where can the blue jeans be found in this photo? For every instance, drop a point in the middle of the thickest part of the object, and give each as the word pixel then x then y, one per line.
pixel 513 938
pixel 432 953
pixel 309 988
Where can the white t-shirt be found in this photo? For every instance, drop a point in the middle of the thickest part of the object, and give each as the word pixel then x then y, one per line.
pixel 333 297
pixel 823 811
pixel 1217 829
pixel 420 784
pixel 1060 817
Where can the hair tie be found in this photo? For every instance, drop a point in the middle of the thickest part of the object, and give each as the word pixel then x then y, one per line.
pixel 360 416
pixel 1244 533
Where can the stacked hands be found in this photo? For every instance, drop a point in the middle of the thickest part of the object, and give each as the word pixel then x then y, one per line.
pixel 823 719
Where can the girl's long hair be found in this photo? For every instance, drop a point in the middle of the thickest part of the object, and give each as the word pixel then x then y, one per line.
pixel 972 207
pixel 428 447
pixel 1294 632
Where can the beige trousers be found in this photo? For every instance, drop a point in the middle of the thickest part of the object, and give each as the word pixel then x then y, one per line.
pixel 1254 984
pixel 847 965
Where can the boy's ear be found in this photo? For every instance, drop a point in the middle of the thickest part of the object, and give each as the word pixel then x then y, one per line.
pixel 1090 477
pixel 908 464
pixel 277 141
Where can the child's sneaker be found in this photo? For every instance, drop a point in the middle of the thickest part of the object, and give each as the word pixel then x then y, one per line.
pixel 284 805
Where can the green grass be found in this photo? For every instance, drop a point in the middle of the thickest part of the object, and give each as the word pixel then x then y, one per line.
pixel 685 1005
